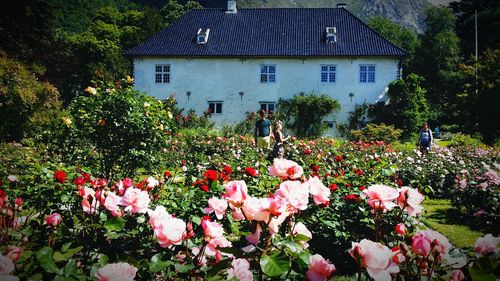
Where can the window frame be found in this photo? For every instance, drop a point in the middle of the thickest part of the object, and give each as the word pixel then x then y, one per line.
pixel 267 74
pixel 165 75
pixel 366 77
pixel 328 73
pixel 266 104
pixel 217 104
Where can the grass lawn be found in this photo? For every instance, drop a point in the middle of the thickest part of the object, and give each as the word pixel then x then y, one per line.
pixel 440 215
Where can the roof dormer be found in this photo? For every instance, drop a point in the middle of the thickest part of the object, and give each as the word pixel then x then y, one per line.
pixel 331 35
pixel 202 36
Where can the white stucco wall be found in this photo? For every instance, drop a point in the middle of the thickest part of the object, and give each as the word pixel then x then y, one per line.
pixel 221 79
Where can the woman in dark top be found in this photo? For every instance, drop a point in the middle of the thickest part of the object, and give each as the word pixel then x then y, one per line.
pixel 279 149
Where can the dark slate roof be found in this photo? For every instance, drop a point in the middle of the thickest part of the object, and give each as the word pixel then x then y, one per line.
pixel 268 32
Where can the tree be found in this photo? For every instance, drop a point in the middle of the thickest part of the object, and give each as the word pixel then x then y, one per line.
pixel 173 10
pixel 488 25
pixel 304 114
pixel 397 35
pixel 22 98
pixel 407 107
pixel 437 59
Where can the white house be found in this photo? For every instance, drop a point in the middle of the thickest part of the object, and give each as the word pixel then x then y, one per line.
pixel 234 61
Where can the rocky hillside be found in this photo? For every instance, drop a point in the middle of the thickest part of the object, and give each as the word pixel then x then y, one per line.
pixel 406 12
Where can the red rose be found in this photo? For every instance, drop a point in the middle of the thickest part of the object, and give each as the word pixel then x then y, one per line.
pixel 315 168
pixel 204 188
pixel 210 175
pixel 351 197
pixel 167 174
pixel 228 170
pixel 333 187
pixel 361 188
pixel 250 171
pixel 339 158
pixel 79 181
pixel 60 176
pixel 86 177
pixel 307 151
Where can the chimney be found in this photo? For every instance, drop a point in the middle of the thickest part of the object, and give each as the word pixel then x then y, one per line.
pixel 231 7
pixel 342 5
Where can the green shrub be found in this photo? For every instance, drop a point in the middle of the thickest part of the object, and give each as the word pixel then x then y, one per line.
pixel 462 140
pixel 120 128
pixel 25 102
pixel 377 132
pixel 304 114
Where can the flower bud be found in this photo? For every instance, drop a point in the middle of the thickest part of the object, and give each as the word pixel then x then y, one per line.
pixel 401 229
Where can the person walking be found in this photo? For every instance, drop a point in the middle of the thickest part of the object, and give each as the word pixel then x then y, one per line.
pixel 425 138
pixel 279 149
pixel 262 131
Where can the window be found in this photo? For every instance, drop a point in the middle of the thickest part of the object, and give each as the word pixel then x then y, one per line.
pixel 267 106
pixel 215 106
pixel 162 73
pixel 267 73
pixel 367 73
pixel 328 73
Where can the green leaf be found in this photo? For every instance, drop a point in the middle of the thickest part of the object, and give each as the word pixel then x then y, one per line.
pixel 115 224
pixel 58 256
pixel 156 264
pixel 70 268
pixel 301 237
pixel 183 268
pixel 44 257
pixel 196 220
pixel 63 278
pixel 276 264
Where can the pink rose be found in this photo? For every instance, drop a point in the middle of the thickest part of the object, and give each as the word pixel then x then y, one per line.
pixel 376 258
pixel 136 200
pixel 152 182
pixel 257 209
pixel 112 202
pixel 218 206
pixel 212 229
pixel 255 236
pixel 320 193
pixel 295 193
pixel 424 242
pixel 14 253
pixel 285 169
pixel 300 228
pixel 380 197
pixel 236 192
pixel 116 272
pixel 127 183
pixel 89 202
pixel 401 229
pixel 276 222
pixel 410 200
pixel 457 275
pixel 158 216
pixel 319 269
pixel 54 219
pixel 6 266
pixel 397 255
pixel 487 244
pixel 170 231
pixel 240 269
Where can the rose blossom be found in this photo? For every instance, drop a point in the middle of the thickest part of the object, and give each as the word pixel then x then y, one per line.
pixel 376 258
pixel 257 209
pixel 320 193
pixel 112 202
pixel 136 200
pixel 116 272
pixel 218 206
pixel 285 169
pixel 319 269
pixel 300 228
pixel 14 253
pixel 295 193
pixel 424 242
pixel 54 219
pixel 397 255
pixel 240 269
pixel 380 197
pixel 170 231
pixel 410 200
pixel 487 244
pixel 89 202
pixel 152 182
pixel 60 176
pixel 6 265
pixel 157 216
pixel 401 229
pixel 236 192
pixel 457 275
pixel 212 229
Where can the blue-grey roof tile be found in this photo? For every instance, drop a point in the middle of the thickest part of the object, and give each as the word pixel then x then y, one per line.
pixel 268 32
